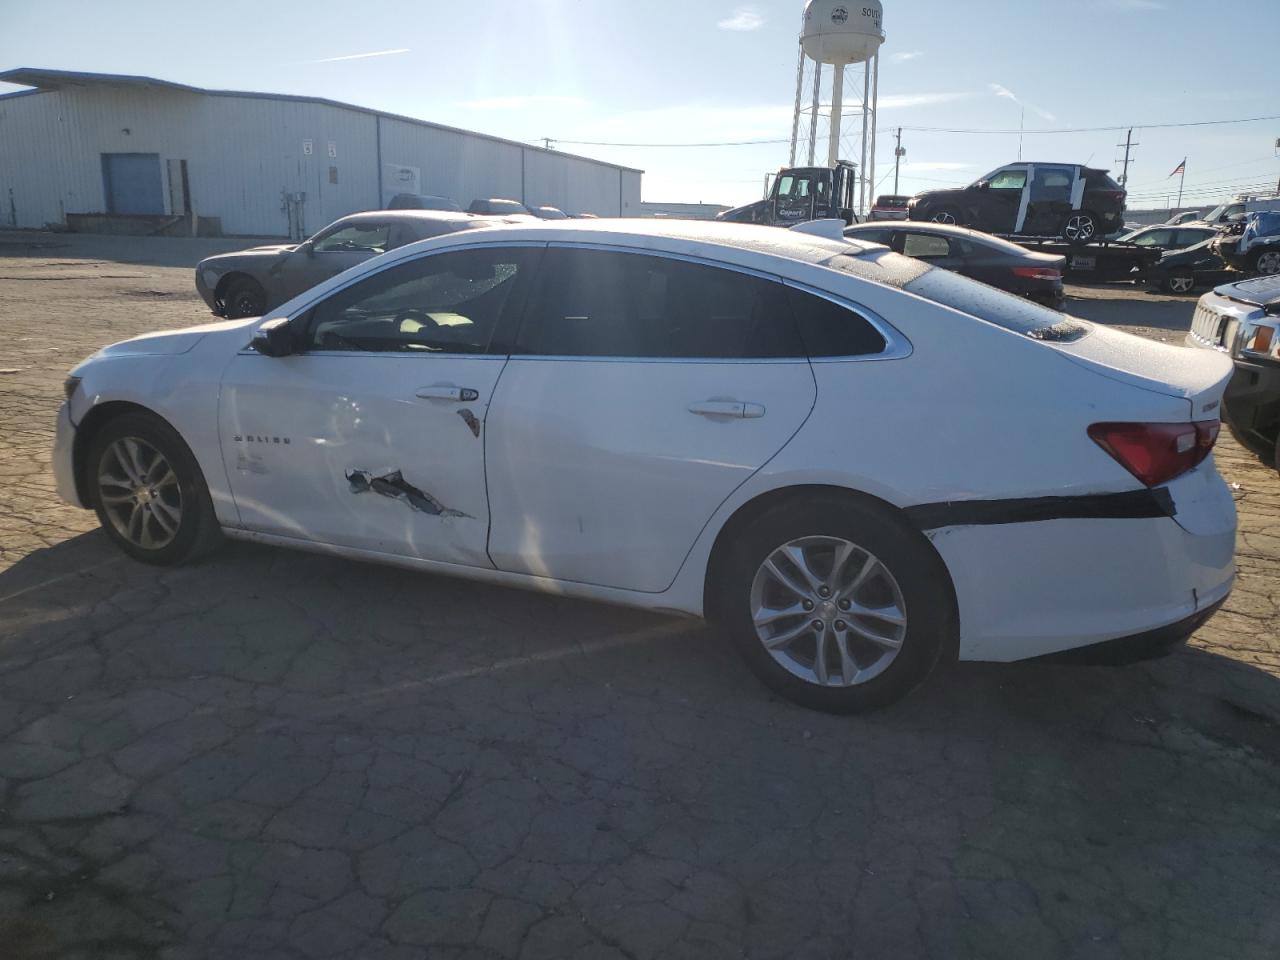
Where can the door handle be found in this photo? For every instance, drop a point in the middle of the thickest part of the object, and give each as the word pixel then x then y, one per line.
pixel 727 408
pixel 448 392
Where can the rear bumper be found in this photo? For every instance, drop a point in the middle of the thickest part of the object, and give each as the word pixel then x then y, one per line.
pixel 1029 589
pixel 1139 646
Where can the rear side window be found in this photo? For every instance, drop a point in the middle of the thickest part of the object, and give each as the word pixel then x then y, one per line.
pixel 596 303
pixel 830 329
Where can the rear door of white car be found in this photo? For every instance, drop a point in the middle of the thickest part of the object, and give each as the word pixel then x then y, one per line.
pixel 642 391
pixel 372 435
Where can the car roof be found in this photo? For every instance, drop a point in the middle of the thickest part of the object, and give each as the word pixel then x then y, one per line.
pixel 941 229
pixel 690 237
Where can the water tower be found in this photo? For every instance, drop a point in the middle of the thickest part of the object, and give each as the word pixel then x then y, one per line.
pixel 839 34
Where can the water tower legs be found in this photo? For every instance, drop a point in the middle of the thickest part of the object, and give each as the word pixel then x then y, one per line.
pixel 837 105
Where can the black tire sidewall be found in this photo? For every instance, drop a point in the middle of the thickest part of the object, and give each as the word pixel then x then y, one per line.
pixel 925 584
pixel 197 525
pixel 239 288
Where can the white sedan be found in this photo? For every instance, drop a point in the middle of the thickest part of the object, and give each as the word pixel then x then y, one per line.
pixel 854 464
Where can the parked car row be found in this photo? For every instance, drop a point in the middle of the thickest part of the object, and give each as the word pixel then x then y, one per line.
pixel 1226 255
pixel 855 464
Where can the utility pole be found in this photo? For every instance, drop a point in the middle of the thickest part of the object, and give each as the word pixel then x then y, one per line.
pixel 546 142
pixel 1128 148
pixel 898 154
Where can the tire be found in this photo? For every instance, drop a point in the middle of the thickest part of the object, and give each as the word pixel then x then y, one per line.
pixel 947 215
pixel 889 568
pixel 156 510
pixel 1080 227
pixel 244 298
pixel 1267 262
pixel 1180 282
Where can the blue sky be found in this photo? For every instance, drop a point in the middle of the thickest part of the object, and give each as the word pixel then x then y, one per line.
pixel 693 72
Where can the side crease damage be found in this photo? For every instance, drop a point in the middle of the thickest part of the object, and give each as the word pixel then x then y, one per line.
pixel 394 486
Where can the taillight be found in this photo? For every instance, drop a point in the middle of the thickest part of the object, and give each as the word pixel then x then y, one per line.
pixel 1038 273
pixel 1155 453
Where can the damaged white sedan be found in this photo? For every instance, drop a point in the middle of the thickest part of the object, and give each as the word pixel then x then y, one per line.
pixel 854 464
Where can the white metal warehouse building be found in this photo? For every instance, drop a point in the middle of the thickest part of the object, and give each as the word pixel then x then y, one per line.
pixel 262 164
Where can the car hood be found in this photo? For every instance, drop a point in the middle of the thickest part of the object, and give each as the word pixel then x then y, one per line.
pixel 262 255
pixel 744 213
pixel 930 196
pixel 1259 292
pixel 170 342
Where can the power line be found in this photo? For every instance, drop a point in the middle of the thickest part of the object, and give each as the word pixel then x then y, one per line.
pixel 974 130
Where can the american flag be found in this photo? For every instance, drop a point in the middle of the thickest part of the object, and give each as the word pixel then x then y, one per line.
pixel 1181 168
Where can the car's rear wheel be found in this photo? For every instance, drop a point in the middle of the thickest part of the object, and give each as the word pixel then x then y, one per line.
pixel 244 298
pixel 946 215
pixel 1080 228
pixel 836 605
pixel 1267 262
pixel 148 491
pixel 1180 281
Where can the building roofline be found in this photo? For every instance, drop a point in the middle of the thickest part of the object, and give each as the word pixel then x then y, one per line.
pixel 45 80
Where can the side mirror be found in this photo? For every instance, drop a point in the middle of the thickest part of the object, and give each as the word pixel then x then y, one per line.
pixel 274 338
pixel 982 185
pixel 307 248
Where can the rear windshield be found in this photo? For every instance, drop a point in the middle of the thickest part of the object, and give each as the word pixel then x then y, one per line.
pixel 960 293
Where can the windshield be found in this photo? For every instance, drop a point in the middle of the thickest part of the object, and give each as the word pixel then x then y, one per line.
pixel 1216 212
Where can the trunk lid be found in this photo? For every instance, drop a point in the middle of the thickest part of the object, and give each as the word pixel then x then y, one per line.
pixel 1197 376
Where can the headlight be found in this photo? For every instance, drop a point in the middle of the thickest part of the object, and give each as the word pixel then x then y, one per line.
pixel 1261 340
pixel 69 386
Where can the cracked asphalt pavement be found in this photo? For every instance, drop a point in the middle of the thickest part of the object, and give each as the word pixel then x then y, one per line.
pixel 280 755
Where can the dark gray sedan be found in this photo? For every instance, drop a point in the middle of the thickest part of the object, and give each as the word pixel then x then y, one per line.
pixel 248 283
pixel 1036 276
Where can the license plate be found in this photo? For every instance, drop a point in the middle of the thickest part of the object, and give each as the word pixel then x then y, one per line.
pixel 1084 263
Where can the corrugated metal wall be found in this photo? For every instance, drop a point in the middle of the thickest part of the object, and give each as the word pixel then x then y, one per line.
pixel 244 154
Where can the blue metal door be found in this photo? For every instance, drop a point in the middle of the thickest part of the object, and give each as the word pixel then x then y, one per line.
pixel 132 183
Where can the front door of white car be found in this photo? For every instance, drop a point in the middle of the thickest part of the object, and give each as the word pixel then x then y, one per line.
pixel 371 435
pixel 642 392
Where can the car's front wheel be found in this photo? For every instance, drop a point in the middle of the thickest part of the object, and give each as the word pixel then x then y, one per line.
pixel 1267 262
pixel 244 297
pixel 148 491
pixel 949 215
pixel 835 604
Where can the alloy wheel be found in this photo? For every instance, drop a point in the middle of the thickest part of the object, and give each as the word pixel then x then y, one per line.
pixel 1080 227
pixel 828 611
pixel 140 493
pixel 1269 262
pixel 944 216
pixel 1181 284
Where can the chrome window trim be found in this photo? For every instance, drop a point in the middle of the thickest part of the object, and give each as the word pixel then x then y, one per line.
pixel 896 345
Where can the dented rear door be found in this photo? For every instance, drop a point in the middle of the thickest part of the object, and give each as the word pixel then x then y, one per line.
pixel 372 435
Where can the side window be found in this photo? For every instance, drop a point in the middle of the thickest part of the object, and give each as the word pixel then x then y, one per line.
pixel 1155 238
pixel 1052 184
pixel 924 246
pixel 444 303
pixel 829 329
pixel 594 303
pixel 872 236
pixel 785 185
pixel 1189 238
pixel 1014 179
pixel 356 237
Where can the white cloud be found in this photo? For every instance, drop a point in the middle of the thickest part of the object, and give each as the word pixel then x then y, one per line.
pixel 743 19
pixel 897 101
pixel 1002 91
pixel 362 56
pixel 519 102
pixel 906 55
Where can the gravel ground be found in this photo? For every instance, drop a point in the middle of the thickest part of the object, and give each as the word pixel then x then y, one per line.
pixel 281 755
